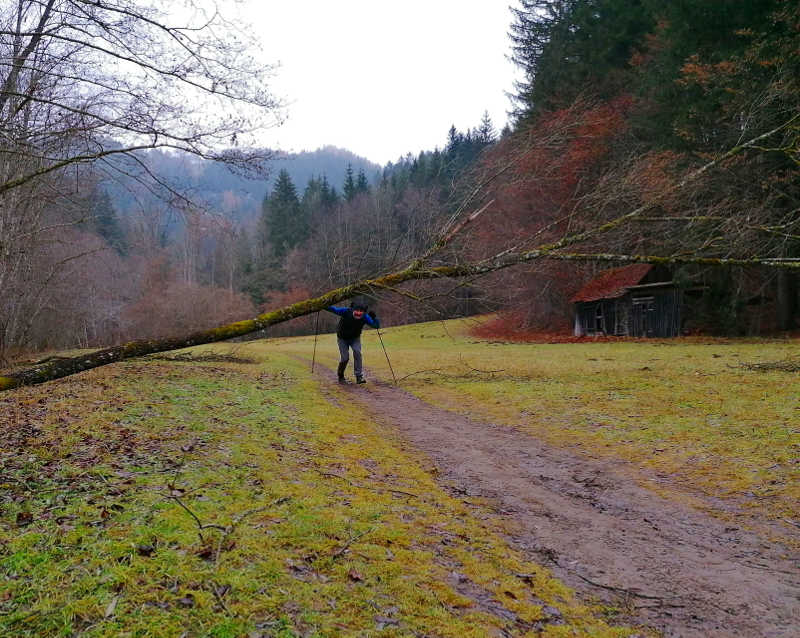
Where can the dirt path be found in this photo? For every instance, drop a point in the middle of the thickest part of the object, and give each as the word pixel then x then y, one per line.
pixel 676 569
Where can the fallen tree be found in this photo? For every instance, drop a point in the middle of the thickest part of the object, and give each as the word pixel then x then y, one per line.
pixel 58 368
pixel 419 269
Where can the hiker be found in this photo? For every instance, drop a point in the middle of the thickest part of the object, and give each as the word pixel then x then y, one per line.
pixel 351 322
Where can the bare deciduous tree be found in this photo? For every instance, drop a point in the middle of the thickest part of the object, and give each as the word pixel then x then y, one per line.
pixel 85 80
pixel 85 87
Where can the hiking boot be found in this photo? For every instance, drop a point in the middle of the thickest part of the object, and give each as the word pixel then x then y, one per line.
pixel 360 380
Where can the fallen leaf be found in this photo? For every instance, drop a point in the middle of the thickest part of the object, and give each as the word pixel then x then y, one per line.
pixel 355 575
pixel 205 552
pixel 382 622
pixel 24 518
pixel 111 608
pixel 221 591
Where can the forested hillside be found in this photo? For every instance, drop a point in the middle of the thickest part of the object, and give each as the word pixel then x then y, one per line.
pixel 232 195
pixel 621 104
pixel 639 94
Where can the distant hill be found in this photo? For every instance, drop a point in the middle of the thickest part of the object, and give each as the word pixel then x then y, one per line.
pixel 237 197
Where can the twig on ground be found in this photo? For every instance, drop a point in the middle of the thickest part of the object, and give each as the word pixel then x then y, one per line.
pixel 201 526
pixel 178 467
pixel 466 365
pixel 444 532
pixel 438 371
pixel 258 510
pixel 365 487
pixel 236 521
pixel 216 591
pixel 352 540
pixel 621 590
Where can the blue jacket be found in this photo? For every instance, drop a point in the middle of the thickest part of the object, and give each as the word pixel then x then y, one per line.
pixel 349 327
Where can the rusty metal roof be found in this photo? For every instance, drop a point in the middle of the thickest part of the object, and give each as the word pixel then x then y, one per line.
pixel 614 283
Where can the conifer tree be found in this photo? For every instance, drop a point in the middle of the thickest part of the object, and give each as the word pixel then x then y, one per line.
pixel 349 186
pixel 568 47
pixel 105 221
pixel 312 198
pixel 486 133
pixel 285 222
pixel 328 194
pixel 454 141
pixel 362 185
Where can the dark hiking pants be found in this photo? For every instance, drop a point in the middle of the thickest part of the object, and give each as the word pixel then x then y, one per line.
pixel 344 355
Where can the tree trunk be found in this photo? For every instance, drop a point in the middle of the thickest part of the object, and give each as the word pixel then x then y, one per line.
pixel 64 367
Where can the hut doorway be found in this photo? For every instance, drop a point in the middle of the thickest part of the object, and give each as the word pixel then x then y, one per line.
pixel 643 317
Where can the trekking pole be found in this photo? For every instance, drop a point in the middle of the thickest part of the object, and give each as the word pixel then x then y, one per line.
pixel 316 332
pixel 387 356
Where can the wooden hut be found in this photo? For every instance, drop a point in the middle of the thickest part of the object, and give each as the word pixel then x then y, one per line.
pixel 640 300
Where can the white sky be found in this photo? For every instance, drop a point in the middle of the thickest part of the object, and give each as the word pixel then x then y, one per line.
pixel 383 78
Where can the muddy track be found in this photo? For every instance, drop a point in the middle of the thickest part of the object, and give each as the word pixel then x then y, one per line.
pixel 673 568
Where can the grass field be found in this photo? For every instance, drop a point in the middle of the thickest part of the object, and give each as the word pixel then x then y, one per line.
pixel 687 410
pixel 169 498
pixel 221 499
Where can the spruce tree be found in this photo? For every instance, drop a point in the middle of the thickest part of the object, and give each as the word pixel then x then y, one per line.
pixel 454 142
pixel 312 198
pixel 286 224
pixel 570 47
pixel 349 187
pixel 328 194
pixel 362 185
pixel 486 133
pixel 105 221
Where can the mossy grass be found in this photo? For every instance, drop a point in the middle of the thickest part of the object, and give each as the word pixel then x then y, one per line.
pixel 234 499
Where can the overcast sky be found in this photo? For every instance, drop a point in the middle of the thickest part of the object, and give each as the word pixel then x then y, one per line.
pixel 384 78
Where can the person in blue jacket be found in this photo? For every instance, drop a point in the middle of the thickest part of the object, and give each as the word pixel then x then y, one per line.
pixel 348 333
